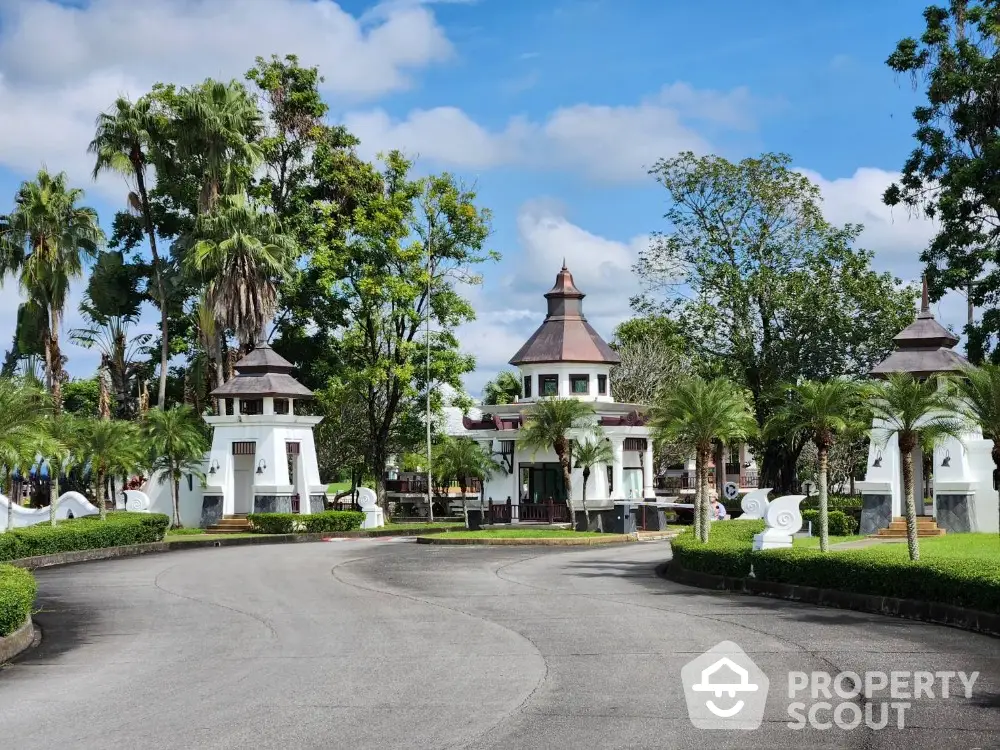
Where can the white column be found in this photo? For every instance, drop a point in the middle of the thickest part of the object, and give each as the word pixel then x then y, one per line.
pixel 617 479
pixel 268 405
pixel 648 492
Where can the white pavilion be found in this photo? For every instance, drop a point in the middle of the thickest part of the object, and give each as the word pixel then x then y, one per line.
pixel 565 358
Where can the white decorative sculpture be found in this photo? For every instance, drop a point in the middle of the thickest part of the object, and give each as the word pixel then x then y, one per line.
pixel 69 502
pixel 754 503
pixel 781 520
pixel 368 500
pixel 136 501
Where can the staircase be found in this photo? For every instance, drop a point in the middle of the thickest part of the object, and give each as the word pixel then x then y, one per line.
pixel 230 525
pixel 926 526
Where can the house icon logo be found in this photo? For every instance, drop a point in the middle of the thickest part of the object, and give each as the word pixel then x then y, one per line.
pixel 725 689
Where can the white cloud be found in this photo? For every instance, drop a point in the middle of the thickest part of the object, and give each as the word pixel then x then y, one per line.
pixel 93 53
pixel 615 143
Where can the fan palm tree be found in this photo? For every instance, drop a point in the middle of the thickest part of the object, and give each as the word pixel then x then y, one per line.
pixel 122 143
pixel 110 445
pixel 588 454
pixel 177 447
pixel 217 124
pixel 547 425
pixel 65 430
pixel 45 241
pixel 979 389
pixel 916 412
pixel 25 411
pixel 243 255
pixel 461 459
pixel 823 411
pixel 696 412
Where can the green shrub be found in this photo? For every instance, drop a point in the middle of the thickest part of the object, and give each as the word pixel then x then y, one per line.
pixel 17 597
pixel 839 523
pixel 120 529
pixel 834 502
pixel 727 552
pixel 273 523
pixel 333 520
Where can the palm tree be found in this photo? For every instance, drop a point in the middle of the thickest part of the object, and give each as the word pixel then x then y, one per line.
pixel 122 144
pixel 547 425
pixel 177 447
pixel 979 389
pixel 589 453
pixel 243 255
pixel 461 459
pixel 109 445
pixel 503 389
pixel 217 123
pixel 25 411
pixel 65 430
pixel 917 412
pixel 696 412
pixel 823 412
pixel 45 241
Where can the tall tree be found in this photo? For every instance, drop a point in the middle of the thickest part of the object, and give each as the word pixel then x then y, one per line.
pixel 122 143
pixel 502 389
pixel 979 389
pixel 587 454
pixel 461 459
pixel 176 446
pixel 696 413
pixel 45 241
pixel 916 412
pixel 400 232
pixel 109 445
pixel 821 412
pixel 764 288
pixel 25 412
pixel 953 175
pixel 547 424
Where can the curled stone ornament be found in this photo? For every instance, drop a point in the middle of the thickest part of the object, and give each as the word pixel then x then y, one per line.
pixel 754 503
pixel 782 519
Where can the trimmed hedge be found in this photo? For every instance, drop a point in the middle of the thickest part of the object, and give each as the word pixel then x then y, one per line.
pixel 17 597
pixel 290 523
pixel 840 524
pixel 968 583
pixel 89 532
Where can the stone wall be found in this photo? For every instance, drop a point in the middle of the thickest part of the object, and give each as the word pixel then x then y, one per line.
pixel 211 510
pixel 317 503
pixel 954 512
pixel 876 513
pixel 272 504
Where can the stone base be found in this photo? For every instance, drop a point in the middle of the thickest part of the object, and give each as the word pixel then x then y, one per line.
pixel 876 513
pixel 317 503
pixel 954 512
pixel 272 504
pixel 475 519
pixel 211 510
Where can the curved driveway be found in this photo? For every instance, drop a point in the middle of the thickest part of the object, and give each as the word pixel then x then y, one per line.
pixel 388 644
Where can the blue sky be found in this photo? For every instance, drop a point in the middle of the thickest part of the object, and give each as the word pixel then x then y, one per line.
pixel 553 109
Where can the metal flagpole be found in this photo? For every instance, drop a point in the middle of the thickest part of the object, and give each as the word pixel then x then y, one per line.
pixel 430 499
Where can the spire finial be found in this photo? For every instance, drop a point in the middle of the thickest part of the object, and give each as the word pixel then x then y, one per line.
pixel 564 264
pixel 925 305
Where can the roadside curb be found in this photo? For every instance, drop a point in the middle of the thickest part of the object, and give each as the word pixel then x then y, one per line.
pixel 529 541
pixel 908 609
pixel 18 641
pixel 133 550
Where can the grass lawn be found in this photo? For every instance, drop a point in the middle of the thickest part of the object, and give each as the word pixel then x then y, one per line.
pixel 519 534
pixel 336 487
pixel 984 547
pixel 813 541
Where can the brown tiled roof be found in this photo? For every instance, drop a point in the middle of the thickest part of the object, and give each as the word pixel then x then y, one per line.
pixel 263 372
pixel 565 335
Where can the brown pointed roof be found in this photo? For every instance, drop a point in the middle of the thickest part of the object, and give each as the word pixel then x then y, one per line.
pixel 263 372
pixel 924 347
pixel 565 335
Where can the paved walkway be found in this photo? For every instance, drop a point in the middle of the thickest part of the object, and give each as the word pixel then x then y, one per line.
pixel 384 644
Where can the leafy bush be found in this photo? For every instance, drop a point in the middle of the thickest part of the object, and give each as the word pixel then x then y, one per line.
pixel 273 523
pixel 17 597
pixel 834 502
pixel 333 520
pixel 88 532
pixel 727 552
pixel 840 524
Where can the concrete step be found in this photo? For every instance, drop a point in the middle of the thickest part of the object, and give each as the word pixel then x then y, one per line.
pixel 901 533
pixel 226 530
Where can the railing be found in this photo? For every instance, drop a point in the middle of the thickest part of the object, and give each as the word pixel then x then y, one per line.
pixel 418 486
pixel 550 511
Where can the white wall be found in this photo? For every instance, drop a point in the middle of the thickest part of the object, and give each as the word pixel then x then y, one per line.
pixel 563 371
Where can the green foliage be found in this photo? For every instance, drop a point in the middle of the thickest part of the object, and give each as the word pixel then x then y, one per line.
pixel 176 447
pixel 979 388
pixel 502 389
pixel 273 523
pixel 25 414
pixel 332 520
pixel 952 173
pixel 81 396
pixel 17 597
pixel 840 524
pixel 120 529
pixel 726 553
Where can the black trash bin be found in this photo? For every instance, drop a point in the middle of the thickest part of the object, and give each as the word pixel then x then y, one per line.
pixel 624 519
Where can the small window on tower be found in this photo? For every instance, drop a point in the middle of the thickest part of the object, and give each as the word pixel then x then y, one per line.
pixel 579 384
pixel 527 386
pixel 281 406
pixel 602 385
pixel 548 385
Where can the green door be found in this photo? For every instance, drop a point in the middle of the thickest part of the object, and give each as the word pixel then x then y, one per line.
pixel 546 482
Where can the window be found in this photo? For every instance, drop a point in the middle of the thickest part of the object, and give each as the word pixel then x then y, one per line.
pixel 548 385
pixel 579 384
pixel 229 407
pixel 527 386
pixel 602 385
pixel 281 406
pixel 251 406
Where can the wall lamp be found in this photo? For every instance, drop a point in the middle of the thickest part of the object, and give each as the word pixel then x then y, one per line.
pixel 261 466
pixel 947 459
pixel 214 467
pixel 878 460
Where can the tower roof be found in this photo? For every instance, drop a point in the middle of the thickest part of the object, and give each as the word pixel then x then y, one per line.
pixel 924 347
pixel 263 372
pixel 565 335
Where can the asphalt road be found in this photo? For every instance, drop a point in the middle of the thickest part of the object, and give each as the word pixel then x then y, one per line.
pixel 388 644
